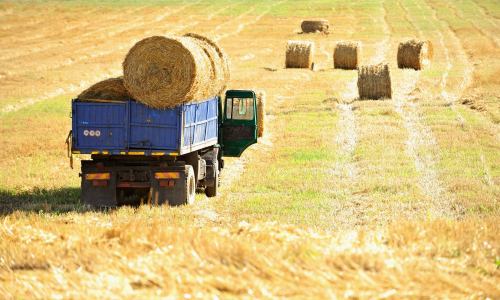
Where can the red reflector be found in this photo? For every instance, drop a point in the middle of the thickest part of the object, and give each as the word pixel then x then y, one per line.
pixel 100 165
pixel 167 183
pixel 99 183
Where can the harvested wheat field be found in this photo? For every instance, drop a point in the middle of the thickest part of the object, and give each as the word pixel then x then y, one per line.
pixel 341 198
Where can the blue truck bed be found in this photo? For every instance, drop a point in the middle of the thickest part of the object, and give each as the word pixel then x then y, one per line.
pixel 132 128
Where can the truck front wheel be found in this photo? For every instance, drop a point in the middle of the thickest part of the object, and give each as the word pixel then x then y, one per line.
pixel 190 185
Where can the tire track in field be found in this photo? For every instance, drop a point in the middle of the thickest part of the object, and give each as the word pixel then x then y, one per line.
pixel 420 142
pixel 56 29
pixel 493 39
pixel 408 20
pixel 346 169
pixel 485 11
pixel 218 27
pixel 241 26
pixel 111 45
pixel 495 128
pixel 462 56
pixel 181 27
pixel 44 45
pixel 9 31
pixel 382 46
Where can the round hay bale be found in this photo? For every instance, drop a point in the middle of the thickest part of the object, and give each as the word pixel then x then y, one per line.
pixel 374 82
pixel 346 55
pixel 109 89
pixel 261 112
pixel 315 26
pixel 219 60
pixel 299 54
pixel 162 71
pixel 415 53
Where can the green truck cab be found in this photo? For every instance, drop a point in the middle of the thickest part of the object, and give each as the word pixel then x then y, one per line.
pixel 237 122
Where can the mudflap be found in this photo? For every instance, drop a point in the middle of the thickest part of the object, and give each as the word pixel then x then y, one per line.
pixel 169 191
pixel 104 196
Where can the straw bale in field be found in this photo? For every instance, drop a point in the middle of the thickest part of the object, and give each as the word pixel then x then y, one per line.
pixel 299 54
pixel 374 81
pixel 261 112
pixel 109 89
pixel 415 53
pixel 315 26
pixel 218 58
pixel 346 55
pixel 162 71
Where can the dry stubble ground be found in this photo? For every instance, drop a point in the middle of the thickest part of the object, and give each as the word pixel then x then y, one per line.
pixel 367 199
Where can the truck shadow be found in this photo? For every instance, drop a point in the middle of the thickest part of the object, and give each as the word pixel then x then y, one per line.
pixel 60 200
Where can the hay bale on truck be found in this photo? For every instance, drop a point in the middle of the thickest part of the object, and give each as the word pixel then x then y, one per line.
pixel 315 26
pixel 163 72
pixel 374 82
pixel 218 58
pixel 299 54
pixel 415 53
pixel 261 112
pixel 109 89
pixel 346 55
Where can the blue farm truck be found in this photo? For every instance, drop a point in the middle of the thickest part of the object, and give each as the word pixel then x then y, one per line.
pixel 159 156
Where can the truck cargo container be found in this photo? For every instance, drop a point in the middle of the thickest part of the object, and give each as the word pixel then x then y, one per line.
pixel 144 154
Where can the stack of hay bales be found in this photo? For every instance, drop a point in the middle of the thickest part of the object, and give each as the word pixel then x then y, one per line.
pixel 299 54
pixel 109 89
pixel 315 26
pixel 346 55
pixel 261 112
pixel 374 81
pixel 163 72
pixel 415 53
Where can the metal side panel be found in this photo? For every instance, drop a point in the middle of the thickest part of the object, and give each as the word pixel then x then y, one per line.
pixel 152 128
pixel 201 125
pixel 100 125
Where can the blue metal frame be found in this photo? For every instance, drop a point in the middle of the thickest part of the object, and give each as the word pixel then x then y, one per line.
pixel 132 128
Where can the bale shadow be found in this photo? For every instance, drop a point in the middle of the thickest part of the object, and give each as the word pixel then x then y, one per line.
pixel 60 200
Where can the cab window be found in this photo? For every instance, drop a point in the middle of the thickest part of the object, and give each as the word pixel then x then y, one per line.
pixel 239 108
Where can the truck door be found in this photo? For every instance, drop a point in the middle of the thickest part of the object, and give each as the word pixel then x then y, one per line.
pixel 238 130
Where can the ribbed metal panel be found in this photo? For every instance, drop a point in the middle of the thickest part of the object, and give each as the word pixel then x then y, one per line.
pixel 133 125
pixel 200 123
pixel 152 128
pixel 99 125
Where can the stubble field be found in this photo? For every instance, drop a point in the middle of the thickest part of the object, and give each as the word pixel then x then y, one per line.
pixel 342 199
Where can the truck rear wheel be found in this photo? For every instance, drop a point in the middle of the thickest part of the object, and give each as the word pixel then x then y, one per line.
pixel 211 191
pixel 190 185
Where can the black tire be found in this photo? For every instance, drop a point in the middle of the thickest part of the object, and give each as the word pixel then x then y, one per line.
pixel 190 185
pixel 211 191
